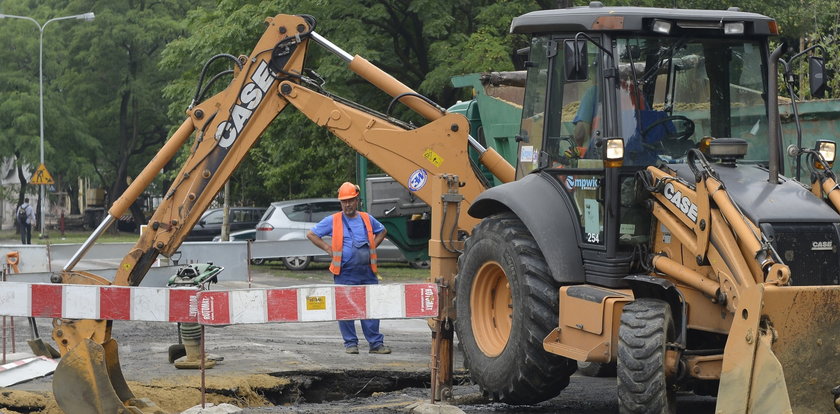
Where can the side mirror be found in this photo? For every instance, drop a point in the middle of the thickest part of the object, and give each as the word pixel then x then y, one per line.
pixel 817 76
pixel 576 61
pixel 520 58
pixel 201 223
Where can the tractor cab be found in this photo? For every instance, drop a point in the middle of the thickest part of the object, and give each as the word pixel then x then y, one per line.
pixel 664 82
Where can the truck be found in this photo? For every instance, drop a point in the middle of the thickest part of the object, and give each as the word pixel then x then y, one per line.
pixel 646 221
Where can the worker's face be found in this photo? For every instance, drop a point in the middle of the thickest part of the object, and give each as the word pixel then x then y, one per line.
pixel 349 207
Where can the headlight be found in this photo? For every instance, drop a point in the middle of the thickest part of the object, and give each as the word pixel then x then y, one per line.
pixel 662 27
pixel 733 28
pixel 614 152
pixel 828 151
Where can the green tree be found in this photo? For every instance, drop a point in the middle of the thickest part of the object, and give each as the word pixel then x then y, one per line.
pixel 117 86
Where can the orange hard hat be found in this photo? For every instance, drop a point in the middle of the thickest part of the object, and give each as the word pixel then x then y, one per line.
pixel 347 191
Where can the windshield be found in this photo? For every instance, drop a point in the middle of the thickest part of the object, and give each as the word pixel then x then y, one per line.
pixel 685 89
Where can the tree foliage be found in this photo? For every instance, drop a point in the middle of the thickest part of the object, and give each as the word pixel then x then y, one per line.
pixel 115 88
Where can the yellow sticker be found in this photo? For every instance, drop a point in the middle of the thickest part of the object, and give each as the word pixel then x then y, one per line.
pixel 316 302
pixel 433 157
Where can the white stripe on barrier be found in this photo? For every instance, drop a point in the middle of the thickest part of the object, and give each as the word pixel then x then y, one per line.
pixel 247 306
pixel 149 304
pixel 15 299
pixel 80 309
pixel 391 297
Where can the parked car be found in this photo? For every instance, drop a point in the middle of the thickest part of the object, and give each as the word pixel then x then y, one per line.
pixel 241 235
pixel 290 220
pixel 210 223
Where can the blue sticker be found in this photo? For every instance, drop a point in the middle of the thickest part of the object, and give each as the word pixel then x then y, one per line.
pixel 417 179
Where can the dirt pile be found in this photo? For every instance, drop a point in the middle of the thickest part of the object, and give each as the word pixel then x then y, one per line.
pixel 170 395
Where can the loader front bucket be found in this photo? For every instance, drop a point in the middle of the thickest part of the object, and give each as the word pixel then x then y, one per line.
pixel 783 352
pixel 89 380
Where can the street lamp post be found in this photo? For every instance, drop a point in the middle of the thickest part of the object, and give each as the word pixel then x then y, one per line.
pixel 86 17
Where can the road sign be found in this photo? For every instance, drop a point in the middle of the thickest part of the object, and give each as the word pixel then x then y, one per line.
pixel 41 176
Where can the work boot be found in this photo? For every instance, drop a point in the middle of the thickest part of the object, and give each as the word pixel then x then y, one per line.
pixel 352 350
pixel 382 349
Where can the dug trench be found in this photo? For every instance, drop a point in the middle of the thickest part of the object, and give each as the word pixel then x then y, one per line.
pixel 288 388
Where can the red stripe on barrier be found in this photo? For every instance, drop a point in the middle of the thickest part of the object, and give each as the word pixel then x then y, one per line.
pixel 214 308
pixel 282 305
pixel 350 302
pixel 46 301
pixel 115 303
pixel 182 305
pixel 420 300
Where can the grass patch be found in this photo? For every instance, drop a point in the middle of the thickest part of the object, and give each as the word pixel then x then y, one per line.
pixel 319 272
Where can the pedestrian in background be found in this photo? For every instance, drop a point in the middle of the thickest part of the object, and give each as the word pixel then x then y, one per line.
pixel 355 236
pixel 25 218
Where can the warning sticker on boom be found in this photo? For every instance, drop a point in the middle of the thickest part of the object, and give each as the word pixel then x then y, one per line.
pixel 433 157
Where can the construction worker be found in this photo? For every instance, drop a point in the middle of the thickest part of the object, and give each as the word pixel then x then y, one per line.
pixel 355 236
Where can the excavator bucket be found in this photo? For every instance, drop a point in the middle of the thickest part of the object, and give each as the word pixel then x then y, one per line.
pixel 89 380
pixel 783 352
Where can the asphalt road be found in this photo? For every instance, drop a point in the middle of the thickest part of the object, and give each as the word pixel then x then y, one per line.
pixel 317 376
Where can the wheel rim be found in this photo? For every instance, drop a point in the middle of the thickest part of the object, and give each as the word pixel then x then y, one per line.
pixel 296 261
pixel 491 308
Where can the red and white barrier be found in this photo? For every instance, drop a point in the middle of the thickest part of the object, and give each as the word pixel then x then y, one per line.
pixel 44 300
pixel 21 362
pixel 219 307
pixel 317 303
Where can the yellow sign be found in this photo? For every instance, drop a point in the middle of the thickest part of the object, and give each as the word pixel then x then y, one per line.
pixel 433 157
pixel 316 302
pixel 41 176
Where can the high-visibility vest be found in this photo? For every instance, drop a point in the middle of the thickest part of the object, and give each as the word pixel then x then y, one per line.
pixel 338 241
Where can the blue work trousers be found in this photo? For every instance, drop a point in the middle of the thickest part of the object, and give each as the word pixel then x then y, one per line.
pixel 370 327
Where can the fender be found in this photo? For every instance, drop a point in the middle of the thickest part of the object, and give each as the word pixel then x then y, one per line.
pixel 645 286
pixel 548 213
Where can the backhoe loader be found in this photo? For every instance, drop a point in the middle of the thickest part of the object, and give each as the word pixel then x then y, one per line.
pixel 646 221
pixel 650 224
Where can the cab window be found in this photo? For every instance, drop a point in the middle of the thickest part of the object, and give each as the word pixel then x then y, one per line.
pixel 533 108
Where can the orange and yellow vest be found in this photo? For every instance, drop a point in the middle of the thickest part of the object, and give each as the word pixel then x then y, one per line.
pixel 338 241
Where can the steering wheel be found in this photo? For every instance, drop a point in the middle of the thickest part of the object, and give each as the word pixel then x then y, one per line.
pixel 682 135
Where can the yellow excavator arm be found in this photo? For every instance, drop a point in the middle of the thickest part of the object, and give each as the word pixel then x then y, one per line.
pixel 432 160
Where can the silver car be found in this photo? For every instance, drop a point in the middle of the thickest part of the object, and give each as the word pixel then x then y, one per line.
pixel 290 220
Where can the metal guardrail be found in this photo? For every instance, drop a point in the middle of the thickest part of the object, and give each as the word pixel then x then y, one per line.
pixel 37 262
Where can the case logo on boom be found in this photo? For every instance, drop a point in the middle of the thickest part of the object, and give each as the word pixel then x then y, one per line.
pixel 682 202
pixel 250 98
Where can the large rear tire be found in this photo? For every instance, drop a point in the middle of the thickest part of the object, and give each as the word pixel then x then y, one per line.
pixel 643 386
pixel 506 305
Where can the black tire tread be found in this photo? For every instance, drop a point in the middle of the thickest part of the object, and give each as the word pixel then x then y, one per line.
pixel 642 386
